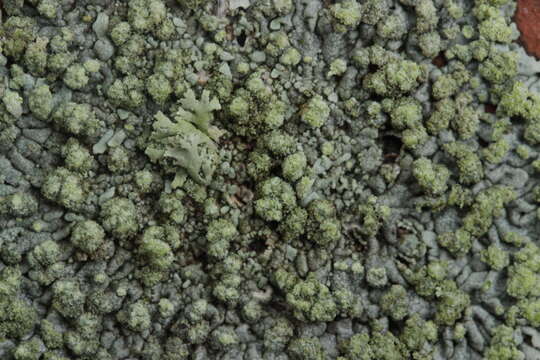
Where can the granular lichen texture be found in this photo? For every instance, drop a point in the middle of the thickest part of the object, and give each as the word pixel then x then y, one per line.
pixel 269 180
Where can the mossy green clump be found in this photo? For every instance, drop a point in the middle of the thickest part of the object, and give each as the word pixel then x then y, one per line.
pixel 469 165
pixel 503 345
pixel 426 13
pixel 52 336
pixel 432 177
pixel 346 15
pixel 78 119
pixel 431 282
pixel 13 103
pixel 524 280
pixel 337 67
pixel 495 257
pixel 315 112
pixel 406 113
pixel 127 92
pixel 171 205
pixel 515 239
pixel 255 108
pixel 394 27
pixel 29 349
pixel 145 15
pixel 458 242
pixel 444 87
pixel 35 56
pixel 48 8
pixel 430 44
pixel 227 289
pixel 40 102
pixel 278 334
pixel 77 157
pixel 65 188
pixel 58 63
pixel 20 204
pixel 138 317
pixel 18 32
pixel 119 218
pixel 523 151
pixel 386 346
pixel 377 277
pixel 348 303
pixel 496 151
pixel 532 132
pixel 467 121
pixel 88 236
pixel 294 224
pixel 530 310
pixel 259 165
pixel 146 181
pixel 118 159
pixel 223 337
pixel 159 88
pixel 495 29
pixel 323 226
pixel 516 101
pixel 395 302
pixel 276 199
pixel 278 41
pixel 395 78
pixel 357 347
pixel 488 204
pixel 168 234
pixel 306 348
pixel 372 215
pixel 309 299
pixel 499 67
pixel 46 253
pixel 278 142
pixel 68 299
pixel 121 32
pixel 290 57
pixel 417 334
pixel 413 137
pixel 75 77
pixel 17 317
pixel 219 235
pixel 373 11
pixel 83 339
pixel 429 279
pixel 451 305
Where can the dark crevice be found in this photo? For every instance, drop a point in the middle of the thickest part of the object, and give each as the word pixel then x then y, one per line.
pixel 483 143
pixel 241 38
pixel 372 68
pixel 439 60
pixel 258 245
pixel 391 147
pixel 517 120
pixel 490 108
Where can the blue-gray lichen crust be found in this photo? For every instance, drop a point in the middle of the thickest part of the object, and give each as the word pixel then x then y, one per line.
pixel 268 180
